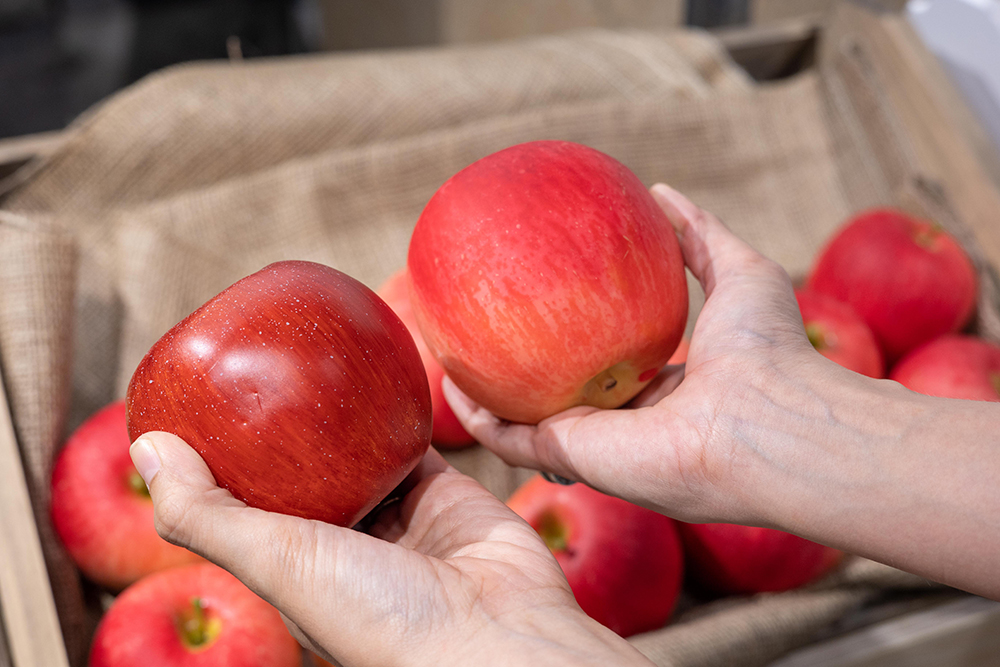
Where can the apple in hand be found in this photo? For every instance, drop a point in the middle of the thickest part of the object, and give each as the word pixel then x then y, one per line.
pixel 299 387
pixel 728 559
pixel 837 333
pixel 906 278
pixel 623 562
pixel 101 508
pixel 191 616
pixel 545 276
pixel 447 432
pixel 953 366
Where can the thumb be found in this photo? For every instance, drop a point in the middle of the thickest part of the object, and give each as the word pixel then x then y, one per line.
pixel 268 552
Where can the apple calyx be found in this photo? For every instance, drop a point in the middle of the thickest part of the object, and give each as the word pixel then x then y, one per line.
pixel 197 629
pixel 553 532
pixel 138 486
pixel 606 389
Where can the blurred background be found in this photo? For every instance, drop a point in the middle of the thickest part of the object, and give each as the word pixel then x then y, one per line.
pixel 59 57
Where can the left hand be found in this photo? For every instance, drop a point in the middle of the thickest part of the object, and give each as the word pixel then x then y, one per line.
pixel 447 575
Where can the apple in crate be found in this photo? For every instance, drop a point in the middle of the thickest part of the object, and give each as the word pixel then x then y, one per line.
pixel 623 562
pixel 545 276
pixel 447 432
pixel 729 559
pixel 906 278
pixel 300 388
pixel 837 333
pixel 191 616
pixel 952 366
pixel 101 508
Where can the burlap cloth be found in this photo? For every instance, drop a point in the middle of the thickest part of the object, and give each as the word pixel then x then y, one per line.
pixel 201 174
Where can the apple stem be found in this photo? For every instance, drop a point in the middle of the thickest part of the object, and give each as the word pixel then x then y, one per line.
pixel 553 532
pixel 196 628
pixel 926 235
pixel 814 333
pixel 136 483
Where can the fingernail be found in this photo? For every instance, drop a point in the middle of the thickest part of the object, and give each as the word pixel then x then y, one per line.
pixel 145 459
pixel 663 189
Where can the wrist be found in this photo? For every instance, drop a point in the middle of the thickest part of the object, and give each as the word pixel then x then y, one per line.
pixel 546 637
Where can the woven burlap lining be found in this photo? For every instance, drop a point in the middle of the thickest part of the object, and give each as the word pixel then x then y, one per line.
pixel 201 174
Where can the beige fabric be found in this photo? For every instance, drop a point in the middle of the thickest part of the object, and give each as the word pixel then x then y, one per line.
pixel 202 174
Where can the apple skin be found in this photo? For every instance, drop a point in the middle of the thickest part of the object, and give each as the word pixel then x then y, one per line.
pixel 729 559
pixel 906 278
pixel 545 276
pixel 143 625
pixel 623 562
pixel 101 509
pixel 837 333
pixel 953 366
pixel 447 432
pixel 300 388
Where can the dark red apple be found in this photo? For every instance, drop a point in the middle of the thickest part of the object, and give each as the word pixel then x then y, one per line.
pixel 447 432
pixel 545 276
pixel 300 388
pixel 906 278
pixel 728 559
pixel 952 366
pixel 197 615
pixel 101 508
pixel 837 333
pixel 623 562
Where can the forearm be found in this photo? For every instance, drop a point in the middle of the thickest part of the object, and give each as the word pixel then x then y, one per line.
pixel 879 471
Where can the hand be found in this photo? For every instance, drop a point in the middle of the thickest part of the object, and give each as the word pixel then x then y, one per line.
pixel 448 575
pixel 688 448
pixel 760 429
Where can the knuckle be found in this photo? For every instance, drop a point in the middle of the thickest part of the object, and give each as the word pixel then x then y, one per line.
pixel 173 514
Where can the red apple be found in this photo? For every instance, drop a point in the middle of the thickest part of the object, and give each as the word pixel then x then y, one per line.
pixel 447 432
pixel 837 332
pixel 101 508
pixel 545 276
pixel 191 616
pixel 623 562
pixel 907 279
pixel 952 366
pixel 728 559
pixel 300 388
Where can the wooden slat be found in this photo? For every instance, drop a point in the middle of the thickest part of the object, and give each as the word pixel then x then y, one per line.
pixel 771 51
pixel 964 633
pixel 29 612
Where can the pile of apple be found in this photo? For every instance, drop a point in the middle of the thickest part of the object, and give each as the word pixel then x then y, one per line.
pixel 539 278
pixel 894 292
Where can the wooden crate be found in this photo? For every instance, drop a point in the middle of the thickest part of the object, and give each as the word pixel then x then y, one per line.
pixel 945 140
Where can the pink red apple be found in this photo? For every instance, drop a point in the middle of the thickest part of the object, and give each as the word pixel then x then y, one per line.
pixel 192 616
pixel 447 432
pixel 101 508
pixel 623 562
pixel 729 559
pixel 545 276
pixel 906 278
pixel 952 366
pixel 300 388
pixel 837 333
